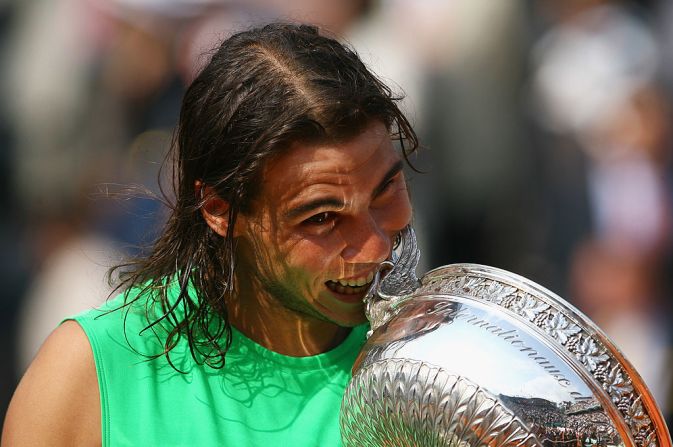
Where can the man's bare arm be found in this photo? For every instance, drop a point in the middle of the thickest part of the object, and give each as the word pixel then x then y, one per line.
pixel 57 402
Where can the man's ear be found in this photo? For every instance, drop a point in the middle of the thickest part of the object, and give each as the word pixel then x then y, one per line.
pixel 215 210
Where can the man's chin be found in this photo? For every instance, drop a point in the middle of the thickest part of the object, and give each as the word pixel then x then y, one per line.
pixel 346 311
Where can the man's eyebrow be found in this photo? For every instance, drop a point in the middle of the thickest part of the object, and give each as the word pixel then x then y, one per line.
pixel 392 172
pixel 313 205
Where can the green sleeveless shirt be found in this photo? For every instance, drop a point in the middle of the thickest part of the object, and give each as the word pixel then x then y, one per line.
pixel 260 398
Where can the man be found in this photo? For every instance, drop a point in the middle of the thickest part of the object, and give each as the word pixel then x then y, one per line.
pixel 241 326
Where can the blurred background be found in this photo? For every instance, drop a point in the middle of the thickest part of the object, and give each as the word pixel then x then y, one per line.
pixel 546 131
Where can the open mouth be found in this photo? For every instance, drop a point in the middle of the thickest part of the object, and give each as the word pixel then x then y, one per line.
pixel 350 286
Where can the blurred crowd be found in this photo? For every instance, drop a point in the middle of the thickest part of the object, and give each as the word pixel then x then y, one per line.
pixel 546 132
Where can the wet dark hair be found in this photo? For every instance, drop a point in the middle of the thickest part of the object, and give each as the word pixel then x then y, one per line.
pixel 263 90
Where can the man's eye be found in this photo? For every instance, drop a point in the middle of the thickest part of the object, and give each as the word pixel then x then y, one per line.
pixel 388 185
pixel 320 219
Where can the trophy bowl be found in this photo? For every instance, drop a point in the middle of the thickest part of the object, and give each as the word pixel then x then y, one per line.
pixel 471 355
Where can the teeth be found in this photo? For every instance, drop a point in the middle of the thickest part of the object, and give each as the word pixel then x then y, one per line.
pixel 356 282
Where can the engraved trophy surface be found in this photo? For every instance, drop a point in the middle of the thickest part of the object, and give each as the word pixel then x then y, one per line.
pixel 471 355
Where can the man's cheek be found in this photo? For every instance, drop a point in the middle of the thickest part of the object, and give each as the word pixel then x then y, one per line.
pixel 308 266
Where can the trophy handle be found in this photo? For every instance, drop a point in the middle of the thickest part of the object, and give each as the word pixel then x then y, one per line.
pixel 394 282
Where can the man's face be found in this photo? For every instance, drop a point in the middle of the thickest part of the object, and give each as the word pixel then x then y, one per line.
pixel 326 217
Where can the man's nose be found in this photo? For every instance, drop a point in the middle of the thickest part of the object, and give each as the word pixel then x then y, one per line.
pixel 366 243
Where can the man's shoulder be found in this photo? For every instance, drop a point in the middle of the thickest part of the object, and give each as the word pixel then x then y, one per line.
pixel 57 401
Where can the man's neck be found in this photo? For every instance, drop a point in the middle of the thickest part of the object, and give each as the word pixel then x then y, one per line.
pixel 263 319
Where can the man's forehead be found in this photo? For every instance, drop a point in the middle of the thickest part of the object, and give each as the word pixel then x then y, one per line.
pixel 371 146
pixel 322 174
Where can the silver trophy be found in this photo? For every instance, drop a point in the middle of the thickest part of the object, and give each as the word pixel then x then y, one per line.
pixel 471 355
